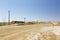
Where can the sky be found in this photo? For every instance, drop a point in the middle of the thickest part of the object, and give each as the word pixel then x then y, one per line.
pixel 32 10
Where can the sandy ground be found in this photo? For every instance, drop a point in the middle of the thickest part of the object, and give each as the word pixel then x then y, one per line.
pixel 29 32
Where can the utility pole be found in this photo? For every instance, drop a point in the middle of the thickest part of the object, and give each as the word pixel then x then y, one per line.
pixel 24 20
pixel 8 17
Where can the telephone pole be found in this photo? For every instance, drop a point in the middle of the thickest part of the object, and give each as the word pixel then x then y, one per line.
pixel 24 20
pixel 8 17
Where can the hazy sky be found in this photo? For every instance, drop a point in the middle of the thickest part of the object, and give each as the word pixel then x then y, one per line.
pixel 33 10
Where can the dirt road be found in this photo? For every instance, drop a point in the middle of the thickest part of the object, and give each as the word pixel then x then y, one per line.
pixel 26 32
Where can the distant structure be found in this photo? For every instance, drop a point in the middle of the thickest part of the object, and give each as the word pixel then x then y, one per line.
pixel 19 22
pixel 8 17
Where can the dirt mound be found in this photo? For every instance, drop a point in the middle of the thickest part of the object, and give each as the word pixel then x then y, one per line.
pixel 48 36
